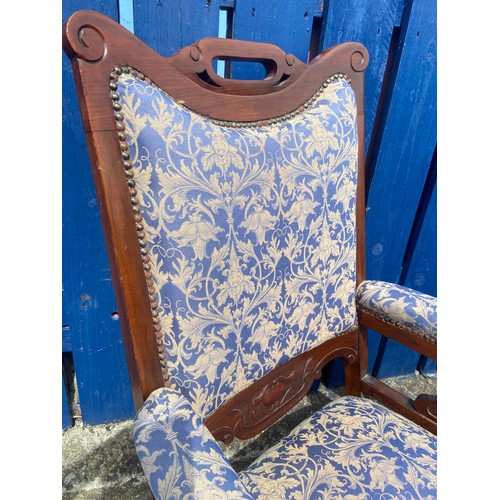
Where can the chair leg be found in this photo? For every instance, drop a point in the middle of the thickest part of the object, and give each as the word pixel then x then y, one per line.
pixel 353 379
pixel 426 404
pixel 421 363
pixel 356 371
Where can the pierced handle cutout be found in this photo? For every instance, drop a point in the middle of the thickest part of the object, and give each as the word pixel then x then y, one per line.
pixel 276 67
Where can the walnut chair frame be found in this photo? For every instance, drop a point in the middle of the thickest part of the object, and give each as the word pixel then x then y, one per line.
pixel 100 49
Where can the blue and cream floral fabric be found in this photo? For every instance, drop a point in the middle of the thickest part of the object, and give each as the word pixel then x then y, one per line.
pixel 251 233
pixel 178 454
pixel 352 448
pixel 412 311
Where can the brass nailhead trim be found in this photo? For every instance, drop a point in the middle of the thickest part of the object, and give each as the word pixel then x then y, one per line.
pixel 386 319
pixel 232 124
pixel 141 236
pixel 287 116
pixel 129 173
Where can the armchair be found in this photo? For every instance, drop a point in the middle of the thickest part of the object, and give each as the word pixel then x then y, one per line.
pixel 234 219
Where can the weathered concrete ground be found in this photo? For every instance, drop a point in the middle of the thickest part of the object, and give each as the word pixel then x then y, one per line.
pixel 99 462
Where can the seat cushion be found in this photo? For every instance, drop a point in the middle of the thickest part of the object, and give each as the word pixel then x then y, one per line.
pixel 410 310
pixel 352 448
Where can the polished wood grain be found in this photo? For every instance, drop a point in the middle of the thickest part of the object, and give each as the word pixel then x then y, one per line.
pixel 424 346
pixel 397 401
pixel 95 44
pixel 261 404
pixel 422 410
pixel 426 404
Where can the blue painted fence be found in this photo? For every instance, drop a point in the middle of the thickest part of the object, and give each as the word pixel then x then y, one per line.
pixel 400 155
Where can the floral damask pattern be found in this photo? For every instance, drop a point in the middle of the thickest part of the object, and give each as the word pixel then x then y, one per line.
pixel 351 449
pixel 251 233
pixel 178 454
pixel 412 311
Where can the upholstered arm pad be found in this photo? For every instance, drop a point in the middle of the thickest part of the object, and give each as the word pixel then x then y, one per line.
pixel 411 311
pixel 179 456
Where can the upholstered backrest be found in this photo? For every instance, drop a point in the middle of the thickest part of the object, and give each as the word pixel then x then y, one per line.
pixel 247 230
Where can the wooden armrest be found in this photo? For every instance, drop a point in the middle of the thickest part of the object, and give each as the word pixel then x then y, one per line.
pixel 410 318
pixel 400 313
pixel 422 345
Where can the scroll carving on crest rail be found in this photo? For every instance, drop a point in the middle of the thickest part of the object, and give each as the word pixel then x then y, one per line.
pixel 85 40
pixel 92 43
pixel 359 59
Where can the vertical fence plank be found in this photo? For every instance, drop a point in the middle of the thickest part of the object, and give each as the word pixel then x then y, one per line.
pixel 287 24
pixel 402 161
pixel 406 148
pixel 67 421
pixel 372 24
pixel 422 270
pixel 169 25
pixel 421 276
pixel 88 298
pixel 126 12
pixel 400 127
